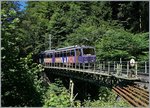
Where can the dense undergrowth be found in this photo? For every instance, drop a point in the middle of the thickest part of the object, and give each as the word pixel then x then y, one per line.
pixel 58 96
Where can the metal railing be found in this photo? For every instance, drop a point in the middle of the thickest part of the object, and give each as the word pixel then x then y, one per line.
pixel 117 68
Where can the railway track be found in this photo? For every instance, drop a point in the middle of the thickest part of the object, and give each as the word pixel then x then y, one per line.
pixel 134 95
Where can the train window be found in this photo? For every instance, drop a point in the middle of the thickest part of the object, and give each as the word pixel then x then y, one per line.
pixel 51 55
pixel 56 55
pixel 61 54
pixel 88 51
pixel 72 53
pixel 44 55
pixel 64 52
pixel 48 55
pixel 68 53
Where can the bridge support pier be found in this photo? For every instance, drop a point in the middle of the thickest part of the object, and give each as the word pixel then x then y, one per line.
pixel 71 87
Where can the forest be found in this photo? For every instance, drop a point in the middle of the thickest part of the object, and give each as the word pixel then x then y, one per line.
pixel 117 29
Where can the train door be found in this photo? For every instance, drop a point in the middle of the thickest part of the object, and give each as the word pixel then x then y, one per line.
pixel 78 55
pixel 71 56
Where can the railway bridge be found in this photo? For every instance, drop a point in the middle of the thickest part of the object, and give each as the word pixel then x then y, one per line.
pixel 129 82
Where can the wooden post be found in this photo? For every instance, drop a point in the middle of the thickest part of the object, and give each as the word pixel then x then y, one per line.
pixel 145 67
pixel 83 66
pixel 127 69
pixel 100 67
pixel 118 69
pixel 71 86
pixel 103 65
pixel 121 68
pixel 136 69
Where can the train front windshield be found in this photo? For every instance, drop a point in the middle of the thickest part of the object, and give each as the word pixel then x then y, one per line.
pixel 88 51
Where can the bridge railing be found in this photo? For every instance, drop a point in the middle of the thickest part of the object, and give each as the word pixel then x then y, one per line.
pixel 117 68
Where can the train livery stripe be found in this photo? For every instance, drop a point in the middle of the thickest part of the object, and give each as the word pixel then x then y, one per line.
pixel 65 59
pixel 47 60
pixel 58 60
pixel 71 59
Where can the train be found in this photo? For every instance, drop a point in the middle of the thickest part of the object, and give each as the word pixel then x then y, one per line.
pixel 69 55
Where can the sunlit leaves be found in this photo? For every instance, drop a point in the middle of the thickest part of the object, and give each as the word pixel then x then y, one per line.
pixel 57 96
pixel 118 44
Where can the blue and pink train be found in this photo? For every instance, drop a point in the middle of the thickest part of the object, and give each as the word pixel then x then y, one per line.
pixel 69 55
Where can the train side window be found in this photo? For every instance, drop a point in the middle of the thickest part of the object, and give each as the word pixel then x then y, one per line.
pixel 64 52
pixel 51 55
pixel 68 53
pixel 88 51
pixel 61 54
pixel 72 53
pixel 55 54
pixel 58 54
pixel 44 55
pixel 48 55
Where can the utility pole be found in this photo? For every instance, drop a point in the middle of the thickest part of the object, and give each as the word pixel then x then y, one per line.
pixel 71 87
pixel 50 41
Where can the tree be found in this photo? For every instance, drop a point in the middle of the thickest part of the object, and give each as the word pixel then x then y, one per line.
pixel 118 43
pixel 20 84
pixel 132 15
pixel 57 95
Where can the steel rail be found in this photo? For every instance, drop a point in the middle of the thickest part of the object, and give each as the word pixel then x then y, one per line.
pixel 132 102
pixel 132 97
pixel 115 91
pixel 137 95
pixel 141 89
pixel 139 92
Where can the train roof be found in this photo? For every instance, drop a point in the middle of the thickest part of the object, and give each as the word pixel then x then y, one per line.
pixel 75 46
pixel 48 51
pixel 67 48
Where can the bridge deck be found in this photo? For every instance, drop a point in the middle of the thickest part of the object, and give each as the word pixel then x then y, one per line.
pixel 96 72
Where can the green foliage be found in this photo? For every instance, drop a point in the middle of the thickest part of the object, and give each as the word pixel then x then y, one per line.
pixel 19 77
pixel 106 99
pixel 131 14
pixel 20 84
pixel 56 96
pixel 114 45
pixel 118 43
pixel 141 46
